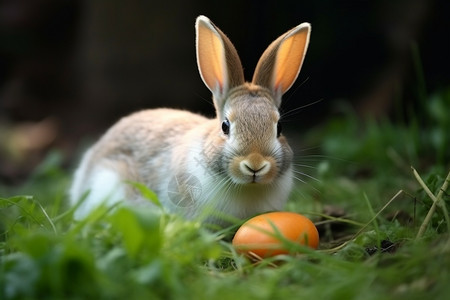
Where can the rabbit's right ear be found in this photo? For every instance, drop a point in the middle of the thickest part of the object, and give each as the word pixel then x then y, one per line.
pixel 217 59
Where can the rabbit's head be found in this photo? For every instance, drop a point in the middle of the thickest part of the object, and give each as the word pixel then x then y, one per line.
pixel 249 132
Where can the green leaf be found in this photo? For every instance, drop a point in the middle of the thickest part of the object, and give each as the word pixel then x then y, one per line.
pixel 146 192
pixel 140 230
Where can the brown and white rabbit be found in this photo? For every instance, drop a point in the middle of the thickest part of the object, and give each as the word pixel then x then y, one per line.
pixel 237 164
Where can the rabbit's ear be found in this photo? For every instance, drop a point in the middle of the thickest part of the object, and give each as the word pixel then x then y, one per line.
pixel 217 59
pixel 280 64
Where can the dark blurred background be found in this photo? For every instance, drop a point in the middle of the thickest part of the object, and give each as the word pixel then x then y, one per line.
pixel 69 69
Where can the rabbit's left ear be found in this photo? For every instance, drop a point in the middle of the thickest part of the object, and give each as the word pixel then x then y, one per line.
pixel 217 59
pixel 278 67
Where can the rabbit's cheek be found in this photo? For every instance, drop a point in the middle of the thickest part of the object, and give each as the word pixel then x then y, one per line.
pixel 284 160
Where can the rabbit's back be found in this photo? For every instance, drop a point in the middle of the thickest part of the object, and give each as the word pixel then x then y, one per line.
pixel 147 135
pixel 138 148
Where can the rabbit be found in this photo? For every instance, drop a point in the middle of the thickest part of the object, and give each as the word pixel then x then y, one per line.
pixel 236 165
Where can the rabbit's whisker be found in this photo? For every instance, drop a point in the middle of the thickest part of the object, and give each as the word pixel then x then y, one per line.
pixel 305 166
pixel 307 175
pixel 296 110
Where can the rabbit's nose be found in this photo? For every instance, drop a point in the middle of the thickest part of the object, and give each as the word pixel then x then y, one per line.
pixel 254 165
pixel 250 170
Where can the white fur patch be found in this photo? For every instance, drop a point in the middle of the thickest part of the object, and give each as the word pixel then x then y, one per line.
pixel 105 187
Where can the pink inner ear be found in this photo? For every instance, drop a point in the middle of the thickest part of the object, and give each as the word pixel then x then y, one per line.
pixel 211 58
pixel 289 60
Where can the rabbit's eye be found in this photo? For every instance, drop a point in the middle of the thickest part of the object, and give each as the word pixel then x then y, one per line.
pixel 226 127
pixel 279 128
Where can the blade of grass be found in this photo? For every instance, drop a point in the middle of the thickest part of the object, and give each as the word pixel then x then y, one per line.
pixel 436 202
pixel 418 66
pixel 374 219
pixel 379 212
pixel 331 219
pixel 49 220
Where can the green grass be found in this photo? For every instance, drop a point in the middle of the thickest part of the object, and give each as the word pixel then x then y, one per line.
pixel 371 249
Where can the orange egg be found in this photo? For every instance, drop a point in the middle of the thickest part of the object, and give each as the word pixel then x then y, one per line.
pixel 260 235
